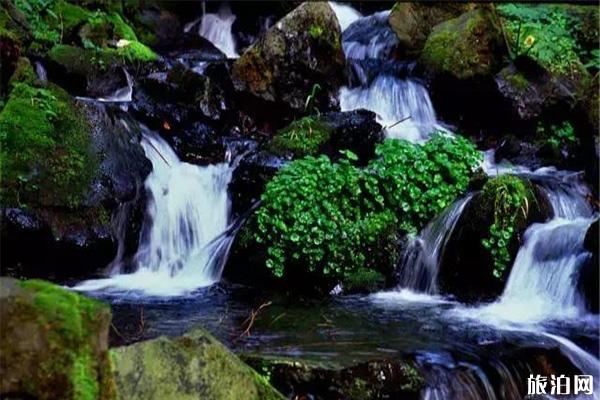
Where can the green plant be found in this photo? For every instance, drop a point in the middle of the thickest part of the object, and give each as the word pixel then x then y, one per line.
pixel 309 104
pixel 509 196
pixel 558 136
pixel 420 181
pixel 302 137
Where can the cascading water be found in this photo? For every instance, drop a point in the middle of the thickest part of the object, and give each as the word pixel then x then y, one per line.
pixel 345 14
pixel 183 240
pixel 543 282
pixel 121 95
pixel 419 267
pixel 216 28
pixel 402 105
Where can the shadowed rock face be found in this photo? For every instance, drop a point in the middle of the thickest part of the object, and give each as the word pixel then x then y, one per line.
pixel 194 366
pixel 300 50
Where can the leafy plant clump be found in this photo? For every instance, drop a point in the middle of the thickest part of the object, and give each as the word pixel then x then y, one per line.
pixel 509 196
pixel 558 136
pixel 547 33
pixel 302 137
pixel 333 220
pixel 45 154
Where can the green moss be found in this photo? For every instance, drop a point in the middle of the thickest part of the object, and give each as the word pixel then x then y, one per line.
pixel 46 156
pixel 517 81
pixel 72 321
pixel 510 197
pixel 302 137
pixel 24 73
pixel 463 46
pixel 315 31
pixel 70 16
pixel 363 280
pixel 137 52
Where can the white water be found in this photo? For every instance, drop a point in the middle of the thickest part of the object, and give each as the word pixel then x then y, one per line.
pixel 180 248
pixel 402 105
pixel 421 261
pixel 217 29
pixel 121 95
pixel 345 14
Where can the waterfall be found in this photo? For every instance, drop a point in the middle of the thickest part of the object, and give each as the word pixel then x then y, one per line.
pixel 345 14
pixel 543 281
pixel 183 243
pixel 420 264
pixel 402 104
pixel 121 95
pixel 216 28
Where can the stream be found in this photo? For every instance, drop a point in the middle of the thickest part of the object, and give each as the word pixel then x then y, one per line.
pixel 464 351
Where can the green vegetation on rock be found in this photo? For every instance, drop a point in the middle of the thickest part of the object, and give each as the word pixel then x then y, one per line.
pixel 302 137
pixel 64 354
pixel 332 220
pixel 46 155
pixel 510 197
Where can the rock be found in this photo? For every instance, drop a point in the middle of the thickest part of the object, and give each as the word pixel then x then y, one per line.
pixel 413 22
pixel 194 366
pixel 378 379
pixel 589 277
pixel 15 36
pixel 533 91
pixel 280 70
pixel 53 343
pixel 467 266
pixel 76 242
pixel 465 47
pixel 158 28
pixel 329 134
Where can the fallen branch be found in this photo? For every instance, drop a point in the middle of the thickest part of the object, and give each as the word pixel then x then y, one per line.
pixel 396 123
pixel 249 322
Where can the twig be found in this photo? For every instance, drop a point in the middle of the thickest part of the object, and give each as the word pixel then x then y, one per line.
pixel 159 153
pixel 396 123
pixel 249 322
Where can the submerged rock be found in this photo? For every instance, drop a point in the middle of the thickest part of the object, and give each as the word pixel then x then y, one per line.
pixel 53 343
pixel 281 69
pixel 413 22
pixel 378 379
pixel 194 366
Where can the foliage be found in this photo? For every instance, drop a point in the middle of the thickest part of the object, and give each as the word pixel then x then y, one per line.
pixel 331 220
pixel 509 196
pixel 45 153
pixel 558 136
pixel 38 13
pixel 544 32
pixel 420 181
pixel 302 137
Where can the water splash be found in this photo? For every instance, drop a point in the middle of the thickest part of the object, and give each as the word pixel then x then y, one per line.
pixel 345 14
pixel 216 28
pixel 402 105
pixel 419 267
pixel 121 95
pixel 182 245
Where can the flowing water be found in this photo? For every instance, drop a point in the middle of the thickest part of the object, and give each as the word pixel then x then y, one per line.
pixel 402 103
pixel 182 241
pixel 345 14
pixel 217 29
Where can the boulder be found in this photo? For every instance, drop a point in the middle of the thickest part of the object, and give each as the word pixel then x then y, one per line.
pixel 53 343
pixel 413 22
pixel 279 71
pixel 77 240
pixel 377 379
pixel 468 46
pixel 589 277
pixel 467 266
pixel 194 366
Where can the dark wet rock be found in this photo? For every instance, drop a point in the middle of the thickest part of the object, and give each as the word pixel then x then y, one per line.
pixel 519 152
pixel 378 379
pixel 76 243
pixel 53 343
pixel 413 22
pixel 204 369
pixel 157 27
pixel 589 279
pixel 532 90
pixel 250 177
pixel 278 72
pixel 466 270
pixel 198 144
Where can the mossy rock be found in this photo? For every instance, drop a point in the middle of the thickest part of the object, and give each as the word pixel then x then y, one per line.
pixel 53 343
pixel 23 73
pixel 413 22
pixel 302 137
pixel 377 379
pixel 468 46
pixel 194 366
pixel 302 49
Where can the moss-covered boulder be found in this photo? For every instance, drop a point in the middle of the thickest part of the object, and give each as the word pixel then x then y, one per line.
pixel 14 39
pixel 53 343
pixel 488 235
pixel 413 22
pixel 377 379
pixel 194 366
pixel 468 46
pixel 301 50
